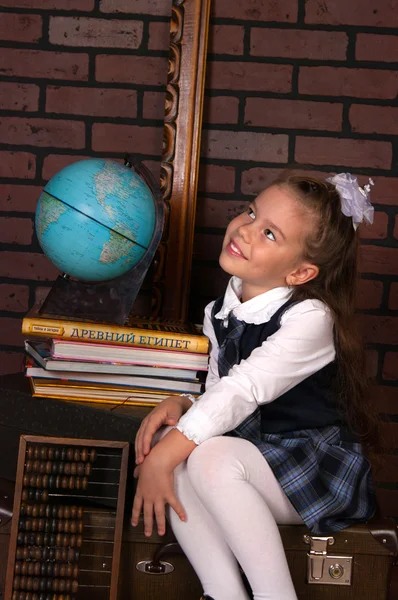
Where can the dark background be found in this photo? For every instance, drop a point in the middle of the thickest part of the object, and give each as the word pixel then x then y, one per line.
pixel 309 84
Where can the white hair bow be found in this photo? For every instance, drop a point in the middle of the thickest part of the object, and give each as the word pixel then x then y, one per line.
pixel 355 201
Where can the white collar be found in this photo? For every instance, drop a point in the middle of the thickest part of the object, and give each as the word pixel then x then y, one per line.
pixel 257 310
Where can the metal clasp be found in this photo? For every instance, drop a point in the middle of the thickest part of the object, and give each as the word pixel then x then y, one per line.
pixel 323 568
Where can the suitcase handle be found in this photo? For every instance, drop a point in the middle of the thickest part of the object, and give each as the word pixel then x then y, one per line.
pixel 156 566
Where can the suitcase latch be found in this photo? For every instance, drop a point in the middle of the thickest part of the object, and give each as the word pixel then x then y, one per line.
pixel 324 568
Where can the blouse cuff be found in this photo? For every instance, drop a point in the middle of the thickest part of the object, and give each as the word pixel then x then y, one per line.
pixel 194 426
pixel 191 398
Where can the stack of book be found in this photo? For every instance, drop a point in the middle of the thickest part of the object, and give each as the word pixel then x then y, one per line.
pixel 139 363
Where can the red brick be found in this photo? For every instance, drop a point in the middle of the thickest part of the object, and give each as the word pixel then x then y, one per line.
pixel 370 46
pixel 226 39
pixel 84 5
pixel 119 138
pixel 207 246
pixel 154 105
pixel 22 198
pixel 16 231
pixel 382 13
pixel 41 293
pixel 390 366
pixel 369 294
pixel 216 178
pixel 17 164
pixel 104 33
pixel 159 36
pixel 256 10
pixel 393 299
pixel 390 436
pixel 378 229
pixel 220 109
pixel 55 162
pixel 345 152
pixel 20 28
pixel 10 332
pixel 379 260
pixel 293 114
pixel 385 398
pixel 14 298
pixel 387 502
pixel 341 81
pixel 217 213
pixel 374 119
pixel 385 190
pixel 11 362
pixel 255 180
pixel 249 76
pixel 244 145
pixel 102 102
pixel 371 362
pixel 296 43
pixel 42 132
pixel 27 265
pixel 379 330
pixel 19 96
pixel 146 7
pixel 17 62
pixel 144 70
pixel 387 468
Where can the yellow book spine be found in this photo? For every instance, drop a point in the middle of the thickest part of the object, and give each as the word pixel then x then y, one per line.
pixel 112 334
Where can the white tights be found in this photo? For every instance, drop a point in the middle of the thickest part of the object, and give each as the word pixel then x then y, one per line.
pixel 233 504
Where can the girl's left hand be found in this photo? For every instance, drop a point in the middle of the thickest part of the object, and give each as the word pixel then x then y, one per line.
pixel 155 489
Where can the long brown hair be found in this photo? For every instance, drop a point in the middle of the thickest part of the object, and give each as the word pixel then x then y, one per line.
pixel 333 248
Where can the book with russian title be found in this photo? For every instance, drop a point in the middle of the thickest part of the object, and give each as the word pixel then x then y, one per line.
pixel 163 335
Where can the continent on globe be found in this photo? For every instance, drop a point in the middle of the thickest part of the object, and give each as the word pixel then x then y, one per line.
pixel 95 219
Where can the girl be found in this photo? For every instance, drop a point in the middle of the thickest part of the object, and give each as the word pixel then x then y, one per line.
pixel 275 437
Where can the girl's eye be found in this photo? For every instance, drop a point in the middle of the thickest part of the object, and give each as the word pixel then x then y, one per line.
pixel 251 214
pixel 269 234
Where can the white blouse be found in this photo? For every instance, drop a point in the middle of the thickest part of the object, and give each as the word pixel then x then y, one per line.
pixel 302 346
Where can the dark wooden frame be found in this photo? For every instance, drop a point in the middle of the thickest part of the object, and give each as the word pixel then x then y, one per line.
pixel 24 440
pixel 180 160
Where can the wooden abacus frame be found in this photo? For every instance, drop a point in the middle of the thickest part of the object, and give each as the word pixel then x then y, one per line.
pixel 24 441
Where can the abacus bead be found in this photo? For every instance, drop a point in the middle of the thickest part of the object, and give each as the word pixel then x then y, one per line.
pixel 75 571
pixel 17 568
pixel 39 479
pixel 62 570
pixel 79 541
pixel 73 540
pixel 36 452
pixel 42 467
pixel 84 483
pixel 80 468
pixel 35 524
pixel 87 470
pixel 54 468
pixel 44 495
pixel 26 479
pixel 84 454
pixel 80 512
pixel 76 454
pixel 75 586
pixel 61 586
pixel 17 582
pixel 43 452
pixel 78 483
pixel 57 481
pixel 93 454
pixel 71 482
pixel 67 512
pixel 56 570
pixel 25 495
pixel 36 465
pixel 55 585
pixel 44 481
pixel 64 483
pixel 28 466
pixel 61 467
pixel 29 451
pixel 50 452
pixel 67 469
pixel 35 510
pixel 58 540
pixel 73 512
pixel 73 468
pixel 36 584
pixel 57 453
pixel 48 467
pixel 70 453
pixel 61 512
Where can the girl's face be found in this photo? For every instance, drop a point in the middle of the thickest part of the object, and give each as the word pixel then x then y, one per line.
pixel 264 245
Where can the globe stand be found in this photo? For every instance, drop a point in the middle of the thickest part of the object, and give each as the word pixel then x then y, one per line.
pixel 113 300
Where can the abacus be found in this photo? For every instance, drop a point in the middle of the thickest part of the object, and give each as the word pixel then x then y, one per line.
pixel 67 520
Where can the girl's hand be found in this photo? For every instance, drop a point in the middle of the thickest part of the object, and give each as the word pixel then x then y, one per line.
pixel 167 412
pixel 155 489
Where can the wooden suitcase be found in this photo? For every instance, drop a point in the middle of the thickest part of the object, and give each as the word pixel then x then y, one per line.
pixel 354 564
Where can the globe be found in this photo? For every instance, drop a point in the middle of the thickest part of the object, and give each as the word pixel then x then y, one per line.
pixel 95 219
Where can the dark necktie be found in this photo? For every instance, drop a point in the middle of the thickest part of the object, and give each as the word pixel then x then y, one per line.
pixel 229 354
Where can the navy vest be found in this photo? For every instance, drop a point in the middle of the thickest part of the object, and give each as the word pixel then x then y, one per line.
pixel 310 404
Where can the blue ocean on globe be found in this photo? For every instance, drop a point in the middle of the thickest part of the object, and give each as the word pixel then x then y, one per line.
pixel 95 219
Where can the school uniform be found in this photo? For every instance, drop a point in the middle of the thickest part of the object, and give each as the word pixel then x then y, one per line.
pixel 272 381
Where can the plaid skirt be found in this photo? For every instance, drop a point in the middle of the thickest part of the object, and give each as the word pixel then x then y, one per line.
pixel 327 480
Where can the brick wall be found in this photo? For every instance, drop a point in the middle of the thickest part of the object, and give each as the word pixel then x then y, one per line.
pixel 308 84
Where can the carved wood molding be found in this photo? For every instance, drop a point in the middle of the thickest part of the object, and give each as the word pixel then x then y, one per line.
pixel 180 159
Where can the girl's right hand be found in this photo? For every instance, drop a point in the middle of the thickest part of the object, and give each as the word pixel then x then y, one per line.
pixel 167 412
